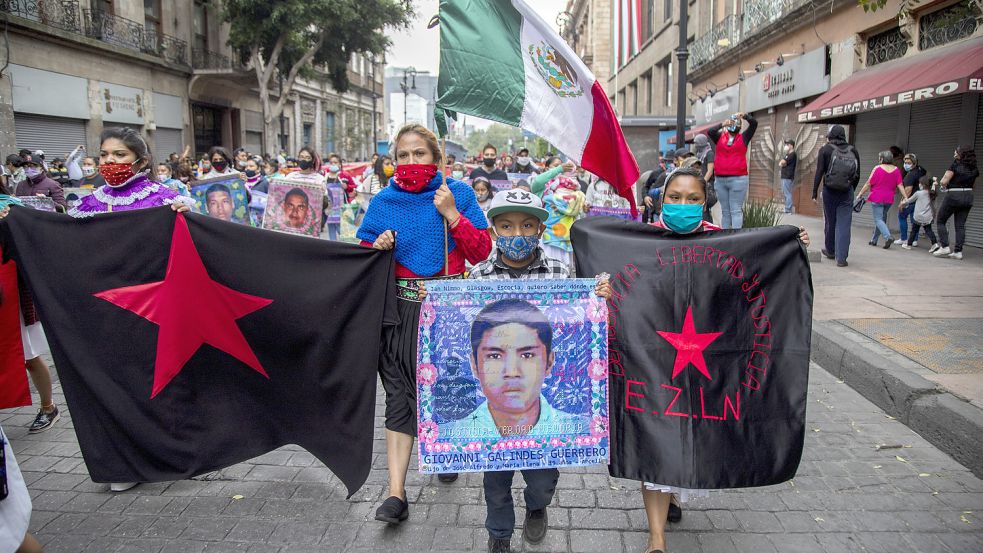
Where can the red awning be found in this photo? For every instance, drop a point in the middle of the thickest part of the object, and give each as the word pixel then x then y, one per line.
pixel 691 133
pixel 936 73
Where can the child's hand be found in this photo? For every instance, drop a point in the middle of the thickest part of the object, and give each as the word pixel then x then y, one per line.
pixel 803 236
pixel 603 287
pixel 422 291
pixel 180 207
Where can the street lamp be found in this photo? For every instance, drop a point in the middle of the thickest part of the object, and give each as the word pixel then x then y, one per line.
pixel 375 97
pixel 407 85
pixel 682 53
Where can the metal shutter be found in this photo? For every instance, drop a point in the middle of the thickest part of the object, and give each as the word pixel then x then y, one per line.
pixel 57 136
pixel 167 141
pixel 254 142
pixel 974 223
pixel 876 132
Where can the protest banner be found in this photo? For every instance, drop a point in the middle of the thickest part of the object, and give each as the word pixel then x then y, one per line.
pixel 222 197
pixel 14 391
pixel 336 202
pixel 619 212
pixel 38 202
pixel 512 374
pixel 293 207
pixel 708 351
pixel 517 178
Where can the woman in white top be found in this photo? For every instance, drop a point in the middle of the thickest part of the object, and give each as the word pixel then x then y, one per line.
pixel 221 163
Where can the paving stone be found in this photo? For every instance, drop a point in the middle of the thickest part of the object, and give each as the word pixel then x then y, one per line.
pixel 597 541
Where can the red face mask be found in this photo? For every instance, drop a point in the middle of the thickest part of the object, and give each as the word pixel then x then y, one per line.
pixel 415 177
pixel 116 173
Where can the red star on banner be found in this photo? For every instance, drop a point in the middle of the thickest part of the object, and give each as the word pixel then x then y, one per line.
pixel 191 309
pixel 689 346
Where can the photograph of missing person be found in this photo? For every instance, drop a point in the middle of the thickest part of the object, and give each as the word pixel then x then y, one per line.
pixel 512 375
pixel 222 198
pixel 293 207
pixel 38 202
pixel 74 196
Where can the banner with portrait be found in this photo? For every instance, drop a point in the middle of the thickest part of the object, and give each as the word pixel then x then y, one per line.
pixel 40 203
pixel 74 196
pixel 512 374
pixel 222 197
pixel 294 207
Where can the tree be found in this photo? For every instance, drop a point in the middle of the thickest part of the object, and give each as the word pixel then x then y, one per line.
pixel 288 39
pixel 874 5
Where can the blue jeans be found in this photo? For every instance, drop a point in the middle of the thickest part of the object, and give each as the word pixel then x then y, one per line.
pixel 787 189
pixel 540 487
pixel 880 221
pixel 837 217
pixel 730 193
pixel 904 214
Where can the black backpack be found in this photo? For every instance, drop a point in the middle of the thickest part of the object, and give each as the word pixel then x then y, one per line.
pixel 843 168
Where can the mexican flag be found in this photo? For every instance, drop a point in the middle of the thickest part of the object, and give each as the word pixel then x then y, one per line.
pixel 499 60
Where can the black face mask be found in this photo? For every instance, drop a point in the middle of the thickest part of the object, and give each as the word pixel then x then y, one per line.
pixel 250 173
pixel 305 164
pixel 219 166
pixel 489 162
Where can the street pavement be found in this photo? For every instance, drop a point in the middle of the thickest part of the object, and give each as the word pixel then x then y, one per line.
pixel 866 484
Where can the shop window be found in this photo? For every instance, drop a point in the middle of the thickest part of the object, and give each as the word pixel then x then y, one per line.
pixel 946 25
pixel 151 17
pixel 200 25
pixel 886 46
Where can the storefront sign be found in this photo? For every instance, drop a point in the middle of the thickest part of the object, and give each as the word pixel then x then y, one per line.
pixel 121 104
pixel 49 93
pixel 719 107
pixel 890 100
pixel 797 78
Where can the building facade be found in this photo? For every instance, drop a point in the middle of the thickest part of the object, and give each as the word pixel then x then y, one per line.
pixel 411 96
pixel 162 67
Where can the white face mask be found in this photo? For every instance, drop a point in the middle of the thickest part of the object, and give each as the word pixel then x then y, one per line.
pixel 88 170
pixel 523 160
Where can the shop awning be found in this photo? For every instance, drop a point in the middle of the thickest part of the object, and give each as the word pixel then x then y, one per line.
pixel 936 73
pixel 691 133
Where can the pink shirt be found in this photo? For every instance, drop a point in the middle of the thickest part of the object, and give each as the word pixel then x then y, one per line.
pixel 883 184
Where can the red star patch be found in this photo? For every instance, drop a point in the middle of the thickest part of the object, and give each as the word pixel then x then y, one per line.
pixel 689 346
pixel 191 310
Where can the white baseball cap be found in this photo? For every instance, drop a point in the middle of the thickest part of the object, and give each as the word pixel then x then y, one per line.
pixel 517 199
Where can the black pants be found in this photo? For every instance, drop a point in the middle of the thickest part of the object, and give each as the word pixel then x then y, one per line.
pixel 956 205
pixel 928 232
pixel 838 216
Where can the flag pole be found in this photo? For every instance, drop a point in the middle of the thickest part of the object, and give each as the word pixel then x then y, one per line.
pixel 443 175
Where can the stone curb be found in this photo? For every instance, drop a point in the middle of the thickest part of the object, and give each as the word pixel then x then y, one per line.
pixel 891 381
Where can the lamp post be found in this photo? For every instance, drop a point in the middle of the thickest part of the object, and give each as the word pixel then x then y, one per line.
pixel 682 53
pixel 407 86
pixel 375 97
pixel 283 120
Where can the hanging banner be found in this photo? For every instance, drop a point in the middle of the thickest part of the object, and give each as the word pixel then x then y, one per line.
pixel 512 374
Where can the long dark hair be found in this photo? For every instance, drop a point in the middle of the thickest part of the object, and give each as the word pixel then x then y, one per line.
pixel 132 140
pixel 314 156
pixel 967 156
pixel 221 152
pixel 379 167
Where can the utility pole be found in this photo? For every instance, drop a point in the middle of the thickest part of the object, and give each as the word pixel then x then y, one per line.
pixel 682 53
pixel 375 126
pixel 406 87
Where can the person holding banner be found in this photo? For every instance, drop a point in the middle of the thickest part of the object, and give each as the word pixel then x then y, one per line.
pixel 683 201
pixel 433 225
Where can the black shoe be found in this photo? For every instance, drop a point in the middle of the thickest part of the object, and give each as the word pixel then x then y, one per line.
pixel 43 421
pixel 535 526
pixel 447 477
pixel 841 264
pixel 675 513
pixel 827 255
pixel 887 244
pixel 393 510
pixel 499 546
pixel 872 243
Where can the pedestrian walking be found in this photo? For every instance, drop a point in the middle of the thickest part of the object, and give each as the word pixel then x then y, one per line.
pixel 913 173
pixel 958 184
pixel 730 166
pixel 920 204
pixel 37 183
pixel 838 170
pixel 884 179
pixel 788 164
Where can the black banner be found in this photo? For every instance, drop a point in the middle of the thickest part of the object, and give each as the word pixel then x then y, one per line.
pixel 708 351
pixel 186 344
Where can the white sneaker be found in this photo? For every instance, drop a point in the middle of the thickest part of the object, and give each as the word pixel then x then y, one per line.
pixel 905 247
pixel 121 486
pixel 898 242
pixel 935 247
pixel 914 244
pixel 956 255
pixel 942 252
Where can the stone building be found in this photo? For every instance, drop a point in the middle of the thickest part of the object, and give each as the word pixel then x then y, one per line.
pixel 162 67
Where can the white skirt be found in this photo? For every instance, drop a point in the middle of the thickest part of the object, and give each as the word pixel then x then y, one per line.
pixel 15 510
pixel 35 343
pixel 684 494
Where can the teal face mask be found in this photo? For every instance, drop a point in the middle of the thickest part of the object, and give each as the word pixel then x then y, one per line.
pixel 682 218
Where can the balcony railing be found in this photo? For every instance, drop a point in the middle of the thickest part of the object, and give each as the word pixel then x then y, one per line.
pixel 209 59
pixel 174 49
pixel 119 31
pixel 62 14
pixel 757 16
pixel 725 34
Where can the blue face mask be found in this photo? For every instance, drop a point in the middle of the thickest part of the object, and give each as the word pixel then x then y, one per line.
pixel 682 218
pixel 517 248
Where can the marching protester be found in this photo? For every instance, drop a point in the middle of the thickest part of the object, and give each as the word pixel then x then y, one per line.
pixel 219 164
pixel 884 179
pixel 958 183
pixel 913 173
pixel 458 170
pixel 91 178
pixel 334 173
pixel 59 172
pixel 788 164
pixel 255 179
pixel 483 191
pixel 166 177
pixel 838 170
pixel 37 183
pixel 241 156
pixel 704 154
pixel 488 169
pixel 730 166
pixel 683 202
pixel 411 217
pixel 920 205
pixel 523 163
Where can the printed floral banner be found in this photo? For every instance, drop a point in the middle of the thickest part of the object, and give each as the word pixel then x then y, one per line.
pixel 512 374
pixel 619 212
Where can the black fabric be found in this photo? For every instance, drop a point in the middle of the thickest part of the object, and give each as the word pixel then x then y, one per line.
pixel 963 176
pixel 397 368
pixel 497 174
pixel 791 161
pixel 912 177
pixel 318 341
pixel 752 286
